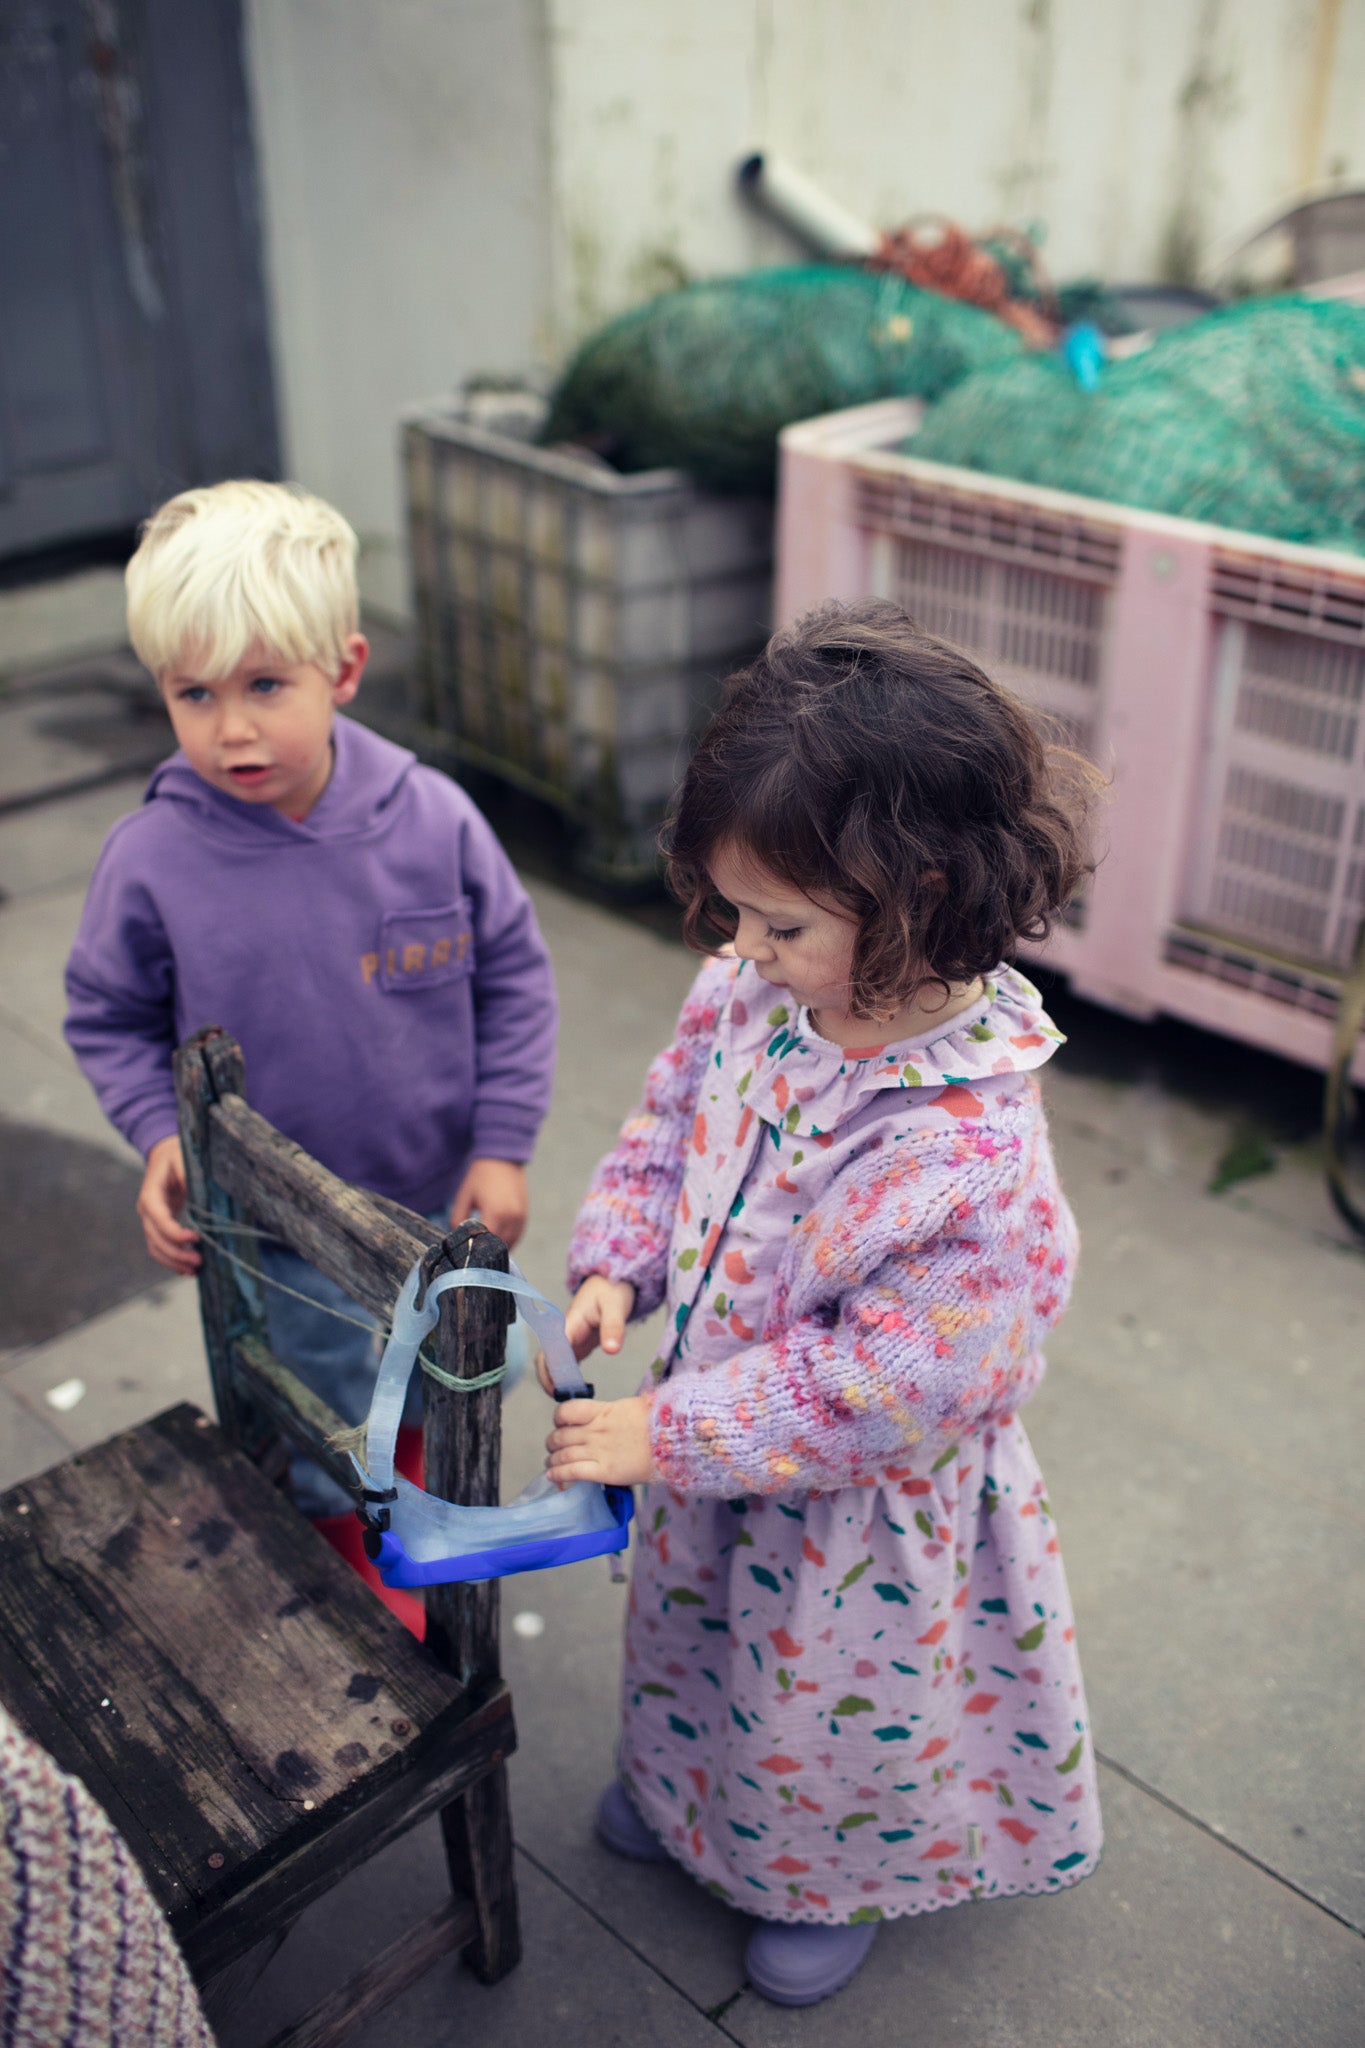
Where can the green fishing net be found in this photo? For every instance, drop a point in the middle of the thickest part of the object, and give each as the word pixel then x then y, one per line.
pixel 704 378
pixel 1252 417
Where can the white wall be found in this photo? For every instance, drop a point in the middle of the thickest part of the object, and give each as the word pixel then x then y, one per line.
pixel 1140 135
pixel 404 177
pixel 462 185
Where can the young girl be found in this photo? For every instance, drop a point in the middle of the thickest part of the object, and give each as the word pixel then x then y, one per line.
pixel 851 1685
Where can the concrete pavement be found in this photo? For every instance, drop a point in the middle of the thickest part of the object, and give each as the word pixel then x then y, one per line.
pixel 1200 1429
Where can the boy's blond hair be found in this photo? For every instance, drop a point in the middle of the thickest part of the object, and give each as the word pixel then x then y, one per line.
pixel 239 569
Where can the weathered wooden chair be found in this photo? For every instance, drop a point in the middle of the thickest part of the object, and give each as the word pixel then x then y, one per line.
pixel 253 1719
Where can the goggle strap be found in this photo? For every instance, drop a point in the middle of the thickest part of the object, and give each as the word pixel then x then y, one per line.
pixel 411 1325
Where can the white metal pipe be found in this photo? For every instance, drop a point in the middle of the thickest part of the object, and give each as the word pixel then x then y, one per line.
pixel 779 189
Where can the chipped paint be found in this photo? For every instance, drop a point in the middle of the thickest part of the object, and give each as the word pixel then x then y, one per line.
pixel 1024 180
pixel 655 270
pixel 585 278
pixel 1208 98
pixel 1318 91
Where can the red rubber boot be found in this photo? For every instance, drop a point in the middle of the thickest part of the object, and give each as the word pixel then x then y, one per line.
pixel 347 1539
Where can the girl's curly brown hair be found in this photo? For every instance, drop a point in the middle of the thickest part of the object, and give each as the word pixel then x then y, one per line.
pixel 867 763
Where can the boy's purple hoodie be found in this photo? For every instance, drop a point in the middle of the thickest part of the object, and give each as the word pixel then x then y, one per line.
pixel 379 963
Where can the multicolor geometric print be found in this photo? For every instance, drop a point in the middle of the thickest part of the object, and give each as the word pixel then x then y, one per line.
pixel 851 1686
pixel 824 1722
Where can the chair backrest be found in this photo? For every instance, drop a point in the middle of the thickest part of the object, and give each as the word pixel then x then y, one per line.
pixel 245 1178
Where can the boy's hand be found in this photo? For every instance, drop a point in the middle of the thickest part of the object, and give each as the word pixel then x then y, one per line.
pixel 159 1203
pixel 497 1189
pixel 606 1441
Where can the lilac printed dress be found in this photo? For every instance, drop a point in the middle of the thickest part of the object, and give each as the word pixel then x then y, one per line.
pixel 851 1686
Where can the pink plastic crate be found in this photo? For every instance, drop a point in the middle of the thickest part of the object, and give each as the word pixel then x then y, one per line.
pixel 1219 677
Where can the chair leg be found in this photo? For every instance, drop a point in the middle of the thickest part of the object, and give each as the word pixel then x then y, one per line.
pixel 223 1995
pixel 478 1841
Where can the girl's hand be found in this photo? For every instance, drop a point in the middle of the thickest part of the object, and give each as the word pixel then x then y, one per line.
pixel 159 1202
pixel 497 1189
pixel 598 1314
pixel 606 1441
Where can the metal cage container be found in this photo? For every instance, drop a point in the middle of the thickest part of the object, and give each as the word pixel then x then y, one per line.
pixel 574 624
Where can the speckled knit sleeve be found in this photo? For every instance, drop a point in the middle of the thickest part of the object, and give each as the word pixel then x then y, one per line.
pixel 908 1312
pixel 626 1218
pixel 86 1956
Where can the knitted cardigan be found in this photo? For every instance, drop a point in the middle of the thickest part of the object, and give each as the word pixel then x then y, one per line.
pixel 86 1957
pixel 907 1306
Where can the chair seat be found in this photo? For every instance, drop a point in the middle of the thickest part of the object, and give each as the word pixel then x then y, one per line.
pixel 251 1718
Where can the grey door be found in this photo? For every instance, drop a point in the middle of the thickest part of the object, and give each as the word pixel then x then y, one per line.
pixel 133 349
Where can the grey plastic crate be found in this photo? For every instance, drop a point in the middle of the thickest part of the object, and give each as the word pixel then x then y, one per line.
pixel 574 625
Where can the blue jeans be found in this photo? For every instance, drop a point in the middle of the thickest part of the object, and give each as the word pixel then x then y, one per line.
pixel 338 1360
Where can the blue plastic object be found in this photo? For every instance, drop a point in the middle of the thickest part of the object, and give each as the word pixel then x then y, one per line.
pixel 502 1560
pixel 1084 353
pixel 416 1539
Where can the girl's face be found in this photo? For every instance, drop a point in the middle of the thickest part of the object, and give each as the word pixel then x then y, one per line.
pixel 794 942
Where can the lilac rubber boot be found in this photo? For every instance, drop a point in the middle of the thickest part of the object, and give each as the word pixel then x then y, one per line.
pixel 801 1963
pixel 621 1828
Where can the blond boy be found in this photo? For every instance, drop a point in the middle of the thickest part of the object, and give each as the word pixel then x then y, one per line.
pixel 343 911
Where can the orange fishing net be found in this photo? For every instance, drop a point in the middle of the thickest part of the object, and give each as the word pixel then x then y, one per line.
pixel 942 257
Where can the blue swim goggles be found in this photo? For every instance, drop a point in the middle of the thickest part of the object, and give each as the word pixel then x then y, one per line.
pixel 417 1540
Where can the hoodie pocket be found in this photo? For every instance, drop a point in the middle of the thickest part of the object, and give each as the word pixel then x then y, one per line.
pixel 420 949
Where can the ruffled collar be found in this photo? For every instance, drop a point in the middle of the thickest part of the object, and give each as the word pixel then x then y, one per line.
pixel 798 1081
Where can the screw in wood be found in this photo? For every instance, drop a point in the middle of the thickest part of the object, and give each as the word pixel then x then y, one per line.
pixel 217 1860
pixel 401 1727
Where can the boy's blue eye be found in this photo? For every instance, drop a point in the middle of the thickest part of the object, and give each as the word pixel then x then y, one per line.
pixel 266 686
pixel 192 693
pixel 793 933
